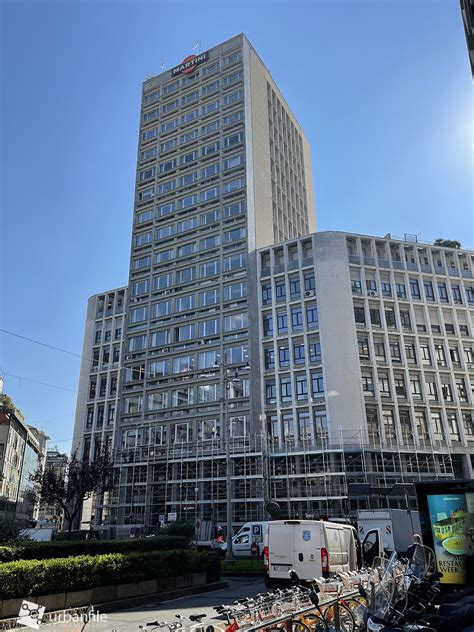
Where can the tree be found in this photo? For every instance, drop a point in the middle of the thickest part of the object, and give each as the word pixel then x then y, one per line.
pixel 10 528
pixel 79 482
pixel 447 243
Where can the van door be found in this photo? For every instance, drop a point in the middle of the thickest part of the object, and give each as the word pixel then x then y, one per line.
pixel 372 547
pixel 307 545
pixel 241 545
pixel 281 554
pixel 336 547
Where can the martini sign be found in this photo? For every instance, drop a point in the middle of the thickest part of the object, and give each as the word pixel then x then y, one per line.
pixel 189 65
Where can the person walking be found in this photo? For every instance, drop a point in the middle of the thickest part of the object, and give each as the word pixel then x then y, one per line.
pixel 411 548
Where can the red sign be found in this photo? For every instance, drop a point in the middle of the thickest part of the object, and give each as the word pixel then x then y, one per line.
pixel 189 65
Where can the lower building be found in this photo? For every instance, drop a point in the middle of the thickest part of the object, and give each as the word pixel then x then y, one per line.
pixel 360 353
pixel 52 515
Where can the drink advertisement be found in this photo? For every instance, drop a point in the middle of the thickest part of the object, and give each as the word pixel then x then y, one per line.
pixel 450 523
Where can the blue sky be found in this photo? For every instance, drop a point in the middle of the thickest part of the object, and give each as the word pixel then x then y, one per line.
pixel 382 90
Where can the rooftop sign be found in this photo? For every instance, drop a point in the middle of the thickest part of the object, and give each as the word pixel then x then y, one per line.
pixel 189 65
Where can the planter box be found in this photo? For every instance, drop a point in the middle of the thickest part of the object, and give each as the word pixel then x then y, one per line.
pixel 9 608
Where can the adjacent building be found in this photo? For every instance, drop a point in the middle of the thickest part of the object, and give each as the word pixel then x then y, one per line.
pixel 467 12
pixel 311 362
pixel 53 514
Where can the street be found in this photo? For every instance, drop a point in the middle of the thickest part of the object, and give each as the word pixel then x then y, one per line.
pixel 129 619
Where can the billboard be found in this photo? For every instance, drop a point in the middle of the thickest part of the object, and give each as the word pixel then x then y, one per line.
pixel 447 513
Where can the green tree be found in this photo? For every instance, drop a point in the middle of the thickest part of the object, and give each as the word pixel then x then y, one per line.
pixel 10 528
pixel 80 481
pixel 447 243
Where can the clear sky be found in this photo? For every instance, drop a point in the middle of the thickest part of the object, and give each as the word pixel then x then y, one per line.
pixel 382 90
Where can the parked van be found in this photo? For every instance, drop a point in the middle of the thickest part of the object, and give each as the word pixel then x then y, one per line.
pixel 315 548
pixel 250 533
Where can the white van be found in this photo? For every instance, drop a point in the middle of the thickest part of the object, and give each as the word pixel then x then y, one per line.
pixel 250 533
pixel 315 548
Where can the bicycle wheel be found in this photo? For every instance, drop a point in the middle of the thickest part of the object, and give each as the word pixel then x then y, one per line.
pixel 298 626
pixel 358 609
pixel 346 618
pixel 315 622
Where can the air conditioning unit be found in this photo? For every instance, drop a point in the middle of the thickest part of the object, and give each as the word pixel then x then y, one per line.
pixel 309 293
pixel 129 357
pixel 372 293
pixel 133 300
pixel 165 350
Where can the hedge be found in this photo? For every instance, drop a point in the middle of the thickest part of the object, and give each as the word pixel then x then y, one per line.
pixel 27 550
pixel 41 577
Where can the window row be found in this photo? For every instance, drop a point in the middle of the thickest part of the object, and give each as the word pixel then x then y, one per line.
pixel 422 353
pixel 427 389
pixel 294 319
pixel 232 292
pixel 294 388
pixel 231 210
pixel 301 427
pixel 285 355
pixel 194 176
pixel 400 290
pixel 281 289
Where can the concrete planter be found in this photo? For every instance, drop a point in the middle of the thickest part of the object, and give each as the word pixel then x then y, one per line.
pixel 9 608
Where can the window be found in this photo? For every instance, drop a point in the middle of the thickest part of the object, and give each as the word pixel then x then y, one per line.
pixel 187 158
pixel 298 353
pixel 317 384
pixel 146 194
pixel 375 317
pixel 211 87
pixel 158 368
pixel 384 385
pixel 237 208
pixel 182 397
pixel 359 314
pixel 295 287
pixel 209 194
pixel 209 242
pixel 186 224
pixel 267 324
pixel 185 303
pixel 210 107
pixel 234 139
pixel 236 234
pixel 165 209
pixel 443 293
pixel 187 249
pixel 164 255
pixel 132 404
pixel 155 401
pixel 429 293
pixel 235 291
pixel 390 317
pixel 230 59
pixel 186 332
pixel 209 269
pixel 164 232
pixel 235 161
pixel 137 343
pixel 150 133
pixel 296 318
pixel 270 393
pixel 186 275
pixel 230 119
pixel 285 389
pixel 169 125
pixel 147 173
pixel 236 321
pixel 410 353
pixel 312 315
pixel 209 218
pixel 166 187
pixel 386 289
pixel 415 289
pixel 210 297
pixel 425 354
pixel 282 322
pixel 160 338
pixel 168 165
pixel 138 314
pixel 269 358
pixel 189 136
pixel 169 144
pixel 395 351
pixel 140 287
pixel 456 294
pixel 146 154
pixel 190 200
pixel 207 360
pixel 232 98
pixel 236 354
pixel 169 107
pixel 188 178
pixel 210 127
pixel 314 352
pixel 210 149
pixel 447 392
pixel 234 262
pixel 235 185
pixel 209 327
pixel 210 170
pixel 190 97
pixel 283 356
pixel 415 387
pixel 207 393
pixel 183 364
pixel 356 286
pixel 405 319
pixel 400 389
pixel 144 217
pixel 235 76
pixel 401 290
pixel 211 68
pixel 440 355
pixel 363 346
pixel 379 349
pixel 367 383
pixel 470 294
pixel 431 390
pixel 301 387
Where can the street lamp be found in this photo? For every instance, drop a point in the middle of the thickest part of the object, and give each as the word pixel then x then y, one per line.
pixel 226 381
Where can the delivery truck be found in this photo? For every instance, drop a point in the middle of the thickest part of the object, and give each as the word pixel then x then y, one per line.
pixel 396 526
pixel 315 548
